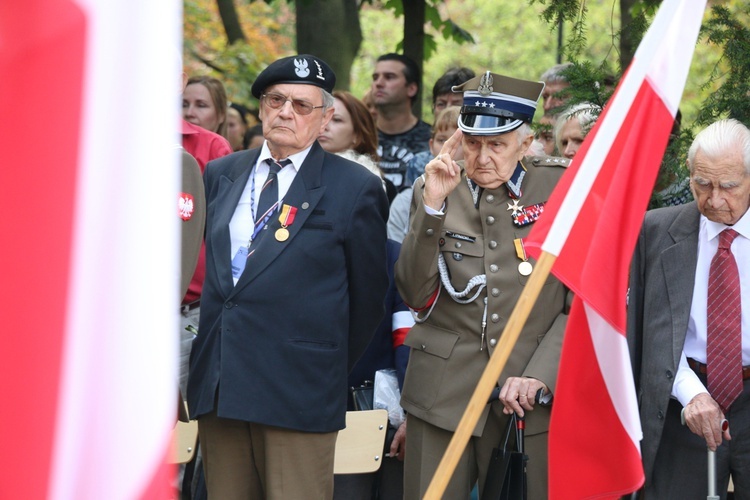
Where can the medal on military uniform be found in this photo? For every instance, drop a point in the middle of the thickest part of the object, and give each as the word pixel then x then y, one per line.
pixel 524 267
pixel 286 218
pixel 527 215
pixel 515 208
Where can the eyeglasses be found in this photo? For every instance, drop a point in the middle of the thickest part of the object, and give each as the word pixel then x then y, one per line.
pixel 276 101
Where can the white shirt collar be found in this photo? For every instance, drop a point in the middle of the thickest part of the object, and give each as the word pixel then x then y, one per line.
pixel 714 228
pixel 297 158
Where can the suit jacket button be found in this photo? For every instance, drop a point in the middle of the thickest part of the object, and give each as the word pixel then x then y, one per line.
pixel 228 305
pixel 669 375
pixel 660 415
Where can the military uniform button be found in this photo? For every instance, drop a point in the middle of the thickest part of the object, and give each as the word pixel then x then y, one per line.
pixel 305 206
pixel 458 244
pixel 430 232
pixel 424 347
pixel 495 318
pixel 493 342
pixel 490 198
pixel 493 268
pixel 458 256
pixel 493 244
pixel 490 219
pixel 495 292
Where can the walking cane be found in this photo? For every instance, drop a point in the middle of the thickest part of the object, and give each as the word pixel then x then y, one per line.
pixel 711 461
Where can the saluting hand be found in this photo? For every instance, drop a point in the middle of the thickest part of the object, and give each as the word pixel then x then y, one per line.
pixel 442 174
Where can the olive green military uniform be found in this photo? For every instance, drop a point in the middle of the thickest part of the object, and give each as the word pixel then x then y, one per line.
pixel 448 354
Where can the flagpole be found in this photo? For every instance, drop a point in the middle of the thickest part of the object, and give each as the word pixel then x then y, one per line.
pixel 489 378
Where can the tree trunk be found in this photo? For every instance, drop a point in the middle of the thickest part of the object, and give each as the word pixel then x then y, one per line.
pixel 230 21
pixel 629 38
pixel 330 29
pixel 414 13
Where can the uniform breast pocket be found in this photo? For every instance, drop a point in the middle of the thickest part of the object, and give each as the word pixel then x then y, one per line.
pixel 463 255
pixel 431 349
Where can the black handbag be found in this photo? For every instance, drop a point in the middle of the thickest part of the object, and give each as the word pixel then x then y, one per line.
pixel 362 396
pixel 506 474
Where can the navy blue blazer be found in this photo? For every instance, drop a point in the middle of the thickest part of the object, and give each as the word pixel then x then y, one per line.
pixel 276 348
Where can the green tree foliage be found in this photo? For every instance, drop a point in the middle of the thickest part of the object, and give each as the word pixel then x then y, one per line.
pixel 445 27
pixel 268 34
pixel 718 85
pixel 728 30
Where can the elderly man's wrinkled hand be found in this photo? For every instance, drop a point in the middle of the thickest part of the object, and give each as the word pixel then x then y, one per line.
pixel 518 393
pixel 704 417
pixel 398 445
pixel 442 173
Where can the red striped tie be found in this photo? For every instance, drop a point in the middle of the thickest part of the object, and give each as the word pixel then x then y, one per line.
pixel 724 349
pixel 269 193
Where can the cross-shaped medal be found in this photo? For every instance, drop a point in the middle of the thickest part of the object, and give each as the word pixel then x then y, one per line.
pixel 515 207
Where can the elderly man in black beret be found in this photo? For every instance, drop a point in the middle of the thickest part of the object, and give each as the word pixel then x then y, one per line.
pixel 295 281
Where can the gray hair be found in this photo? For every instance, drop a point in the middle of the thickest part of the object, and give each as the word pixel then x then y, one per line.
pixel 523 132
pixel 554 74
pixel 328 99
pixel 715 140
pixel 586 113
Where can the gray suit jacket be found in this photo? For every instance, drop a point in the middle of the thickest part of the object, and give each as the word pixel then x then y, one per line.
pixel 659 301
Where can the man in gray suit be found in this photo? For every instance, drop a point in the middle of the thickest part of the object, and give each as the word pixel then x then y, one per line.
pixel 673 323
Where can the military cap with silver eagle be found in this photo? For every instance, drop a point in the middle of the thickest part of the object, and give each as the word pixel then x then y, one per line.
pixel 302 68
pixel 496 104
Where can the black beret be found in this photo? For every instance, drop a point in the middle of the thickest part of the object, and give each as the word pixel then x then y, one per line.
pixel 303 68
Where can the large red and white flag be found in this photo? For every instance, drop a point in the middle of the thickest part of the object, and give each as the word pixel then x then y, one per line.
pixel 88 378
pixel 591 225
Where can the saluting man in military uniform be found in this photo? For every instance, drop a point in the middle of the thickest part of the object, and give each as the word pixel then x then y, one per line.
pixel 462 268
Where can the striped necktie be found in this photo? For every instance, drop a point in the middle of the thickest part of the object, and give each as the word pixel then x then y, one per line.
pixel 269 193
pixel 724 327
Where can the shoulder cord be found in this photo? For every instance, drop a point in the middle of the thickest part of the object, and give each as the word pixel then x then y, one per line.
pixel 479 281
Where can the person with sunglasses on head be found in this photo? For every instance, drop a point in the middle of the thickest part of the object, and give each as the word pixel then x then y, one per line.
pixel 295 282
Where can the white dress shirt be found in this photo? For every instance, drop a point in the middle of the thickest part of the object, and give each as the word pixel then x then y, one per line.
pixel 687 385
pixel 242 224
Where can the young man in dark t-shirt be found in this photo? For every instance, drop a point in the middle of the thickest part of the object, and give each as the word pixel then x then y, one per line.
pixel 395 86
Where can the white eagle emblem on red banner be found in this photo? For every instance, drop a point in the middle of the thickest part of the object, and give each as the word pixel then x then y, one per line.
pixel 185 206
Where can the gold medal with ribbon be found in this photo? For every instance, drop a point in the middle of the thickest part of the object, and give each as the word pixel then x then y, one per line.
pixel 524 267
pixel 286 218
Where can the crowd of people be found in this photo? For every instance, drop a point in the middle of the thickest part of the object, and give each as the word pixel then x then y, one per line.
pixel 345 236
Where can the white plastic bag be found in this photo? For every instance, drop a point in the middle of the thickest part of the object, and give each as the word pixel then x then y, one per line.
pixel 387 396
